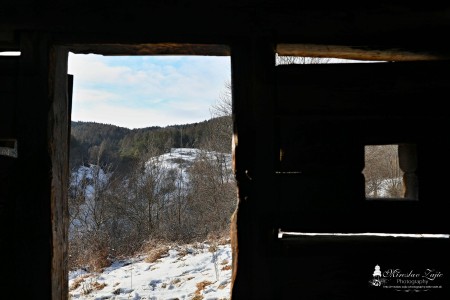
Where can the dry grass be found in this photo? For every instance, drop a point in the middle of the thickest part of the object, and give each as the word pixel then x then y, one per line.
pixel 197 297
pixel 98 260
pixel 98 286
pixel 76 283
pixel 226 268
pixel 224 241
pixel 201 286
pixel 156 253
pixel 91 254
pixel 219 238
pixel 212 248
pixel 198 246
pixel 183 251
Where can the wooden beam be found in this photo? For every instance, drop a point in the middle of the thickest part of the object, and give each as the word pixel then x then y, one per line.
pixel 356 53
pixel 151 49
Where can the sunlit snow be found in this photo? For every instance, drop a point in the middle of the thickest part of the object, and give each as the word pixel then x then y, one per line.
pixel 192 271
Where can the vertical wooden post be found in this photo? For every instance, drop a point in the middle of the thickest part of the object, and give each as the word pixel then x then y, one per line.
pixel 8 94
pixel 32 221
pixel 41 175
pixel 253 65
pixel 407 154
pixel 59 125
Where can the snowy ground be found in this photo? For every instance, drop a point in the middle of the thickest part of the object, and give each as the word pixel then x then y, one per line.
pixel 197 271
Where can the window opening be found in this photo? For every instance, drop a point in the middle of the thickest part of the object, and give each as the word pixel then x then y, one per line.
pixel 8 147
pixel 383 176
pixel 389 171
pixel 151 185
pixel 10 53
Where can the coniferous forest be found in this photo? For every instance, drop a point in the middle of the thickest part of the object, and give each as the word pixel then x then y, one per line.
pixel 97 143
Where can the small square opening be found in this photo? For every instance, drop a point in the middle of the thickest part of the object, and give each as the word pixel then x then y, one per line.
pixel 390 171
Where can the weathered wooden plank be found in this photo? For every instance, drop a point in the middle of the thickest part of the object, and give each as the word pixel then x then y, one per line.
pixel 363 90
pixel 7 84
pixel 355 53
pixel 324 190
pixel 152 49
pixel 320 144
pixel 341 268
pixel 7 167
pixel 8 64
pixel 8 92
pixel 295 132
pixel 7 115
pixel 305 205
pixel 8 95
pixel 59 123
pixel 252 79
pixel 32 175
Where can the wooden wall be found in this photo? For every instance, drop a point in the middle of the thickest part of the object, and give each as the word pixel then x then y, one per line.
pixel 319 116
pixel 8 96
pixel 325 115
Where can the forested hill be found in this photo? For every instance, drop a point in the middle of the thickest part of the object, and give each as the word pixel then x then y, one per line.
pixel 97 143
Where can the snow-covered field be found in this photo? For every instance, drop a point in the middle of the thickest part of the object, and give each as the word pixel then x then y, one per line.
pixel 195 271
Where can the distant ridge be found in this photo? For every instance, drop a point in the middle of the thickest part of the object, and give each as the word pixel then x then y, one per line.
pixel 99 143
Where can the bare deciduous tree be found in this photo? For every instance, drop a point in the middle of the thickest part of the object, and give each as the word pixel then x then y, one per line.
pixel 220 130
pixel 213 192
pixel 382 172
pixel 300 60
pixel 88 216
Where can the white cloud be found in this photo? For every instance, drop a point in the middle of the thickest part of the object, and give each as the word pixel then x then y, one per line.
pixel 92 96
pixel 171 90
pixel 88 68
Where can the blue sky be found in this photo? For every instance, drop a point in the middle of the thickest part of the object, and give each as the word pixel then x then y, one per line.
pixel 143 91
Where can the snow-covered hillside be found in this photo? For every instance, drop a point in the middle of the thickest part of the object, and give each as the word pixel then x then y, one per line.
pixel 87 182
pixel 195 271
pixel 177 160
pixel 183 158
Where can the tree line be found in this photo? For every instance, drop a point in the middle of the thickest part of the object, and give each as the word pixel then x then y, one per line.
pixel 91 141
